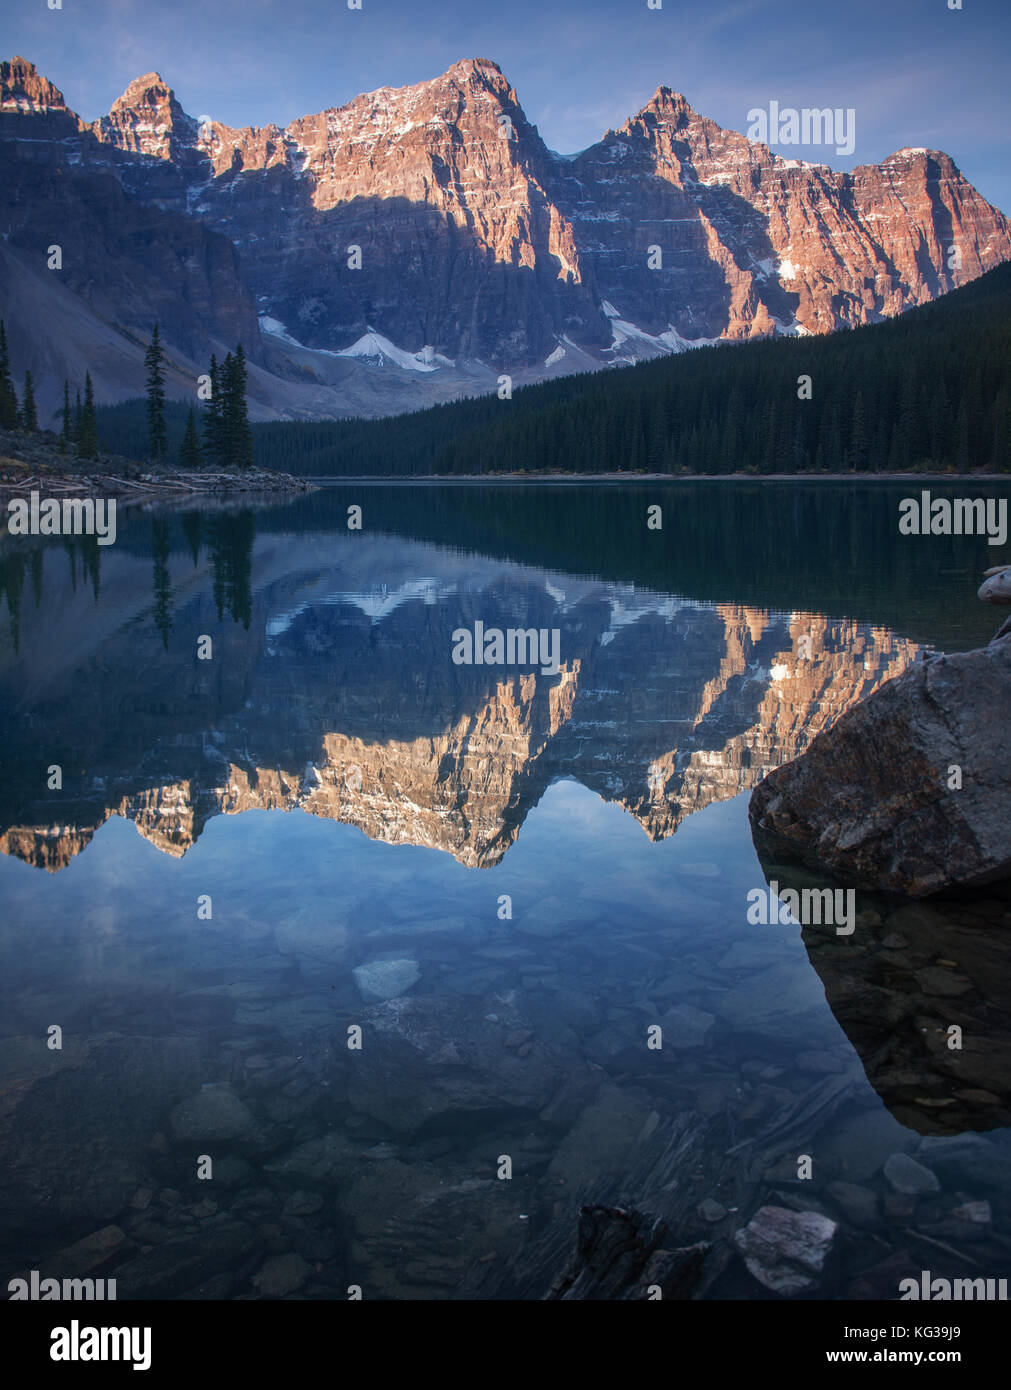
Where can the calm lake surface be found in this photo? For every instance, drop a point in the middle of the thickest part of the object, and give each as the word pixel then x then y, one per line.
pixel 503 878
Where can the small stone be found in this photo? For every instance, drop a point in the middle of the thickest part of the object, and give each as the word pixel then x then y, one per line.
pixel 973 1211
pixel 711 1210
pixel 974 1096
pixel 303 1204
pixel 386 979
pixel 282 1274
pixel 997 587
pixel 859 1205
pixel 895 941
pixel 214 1112
pixel 86 1254
pixel 788 1252
pixel 897 1207
pixel 203 1209
pixel 685 1026
pixel 518 1037
pixel 934 979
pixel 141 1199
pixel 908 1177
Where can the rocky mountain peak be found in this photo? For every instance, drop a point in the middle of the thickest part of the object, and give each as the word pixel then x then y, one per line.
pixel 23 87
pixel 149 90
pixel 667 100
pixel 147 119
pixel 468 67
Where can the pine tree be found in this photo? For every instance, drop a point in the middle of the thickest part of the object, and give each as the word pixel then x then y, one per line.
pixel 243 442
pixel 237 439
pixel 153 360
pixel 66 427
pixel 213 418
pixel 190 454
pixel 8 396
pixel 226 380
pixel 88 443
pixel 29 414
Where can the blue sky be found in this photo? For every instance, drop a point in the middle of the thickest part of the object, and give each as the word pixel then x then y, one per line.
pixel 914 71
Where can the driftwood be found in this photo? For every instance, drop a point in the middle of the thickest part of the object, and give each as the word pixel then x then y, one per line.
pixel 620 1255
pixel 666 1175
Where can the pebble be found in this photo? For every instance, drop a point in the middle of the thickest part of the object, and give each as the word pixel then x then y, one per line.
pixel 908 1177
pixel 711 1210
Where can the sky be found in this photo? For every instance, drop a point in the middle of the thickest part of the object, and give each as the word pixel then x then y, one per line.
pixel 914 72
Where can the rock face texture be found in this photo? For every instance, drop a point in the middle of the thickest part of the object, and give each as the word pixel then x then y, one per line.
pixel 479 245
pixel 909 791
pixel 130 263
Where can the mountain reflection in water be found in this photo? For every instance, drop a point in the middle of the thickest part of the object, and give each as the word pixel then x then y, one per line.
pixel 501 843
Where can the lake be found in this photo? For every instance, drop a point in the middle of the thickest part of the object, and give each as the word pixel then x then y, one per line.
pixel 330 962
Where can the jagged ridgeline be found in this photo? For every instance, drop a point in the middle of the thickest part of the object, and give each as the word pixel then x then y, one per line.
pixel 929 390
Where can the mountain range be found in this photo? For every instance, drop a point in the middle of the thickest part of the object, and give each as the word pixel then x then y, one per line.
pixel 411 246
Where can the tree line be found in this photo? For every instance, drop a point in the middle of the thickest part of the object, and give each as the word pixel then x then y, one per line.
pixel 15 414
pixel 928 391
pixel 222 438
pixel 225 439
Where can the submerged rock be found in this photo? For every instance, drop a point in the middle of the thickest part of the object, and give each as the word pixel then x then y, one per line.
pixel 788 1252
pixel 426 1059
pixel 281 1274
pixel 908 1177
pixel 910 791
pixel 996 587
pixel 215 1112
pixel 386 979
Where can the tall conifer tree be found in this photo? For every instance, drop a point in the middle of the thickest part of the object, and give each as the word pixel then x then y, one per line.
pixel 8 396
pixel 154 360
pixel 29 414
pixel 89 422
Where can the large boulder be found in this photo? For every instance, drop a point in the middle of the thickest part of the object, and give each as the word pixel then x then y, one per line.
pixel 909 791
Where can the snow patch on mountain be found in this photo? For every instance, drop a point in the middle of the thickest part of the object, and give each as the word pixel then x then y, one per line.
pixel 375 348
pixel 637 343
pixel 371 347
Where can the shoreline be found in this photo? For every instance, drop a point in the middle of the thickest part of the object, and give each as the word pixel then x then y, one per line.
pixel 577 479
pixel 148 487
